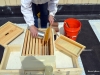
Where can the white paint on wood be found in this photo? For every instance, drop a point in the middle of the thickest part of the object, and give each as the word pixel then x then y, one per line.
pixel 62 60
pixel 93 1
pixel 14 61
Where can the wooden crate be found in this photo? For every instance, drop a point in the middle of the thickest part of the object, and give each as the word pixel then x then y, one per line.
pixel 9 32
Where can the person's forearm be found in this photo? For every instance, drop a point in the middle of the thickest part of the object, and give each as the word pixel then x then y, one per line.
pixel 26 10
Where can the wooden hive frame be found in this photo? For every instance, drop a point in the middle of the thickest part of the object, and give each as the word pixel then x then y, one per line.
pixel 76 70
pixel 33 49
pixel 34 46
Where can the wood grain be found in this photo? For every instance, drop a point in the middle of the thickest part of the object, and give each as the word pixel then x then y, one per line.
pixel 36 47
pixel 25 43
pixel 33 48
pixel 31 45
pixel 28 43
pixel 9 32
pixel 40 47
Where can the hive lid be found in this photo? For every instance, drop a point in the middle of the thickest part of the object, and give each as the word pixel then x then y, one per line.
pixel 69 46
pixel 9 32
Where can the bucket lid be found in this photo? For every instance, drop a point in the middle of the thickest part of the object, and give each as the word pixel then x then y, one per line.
pixel 68 46
pixel 9 32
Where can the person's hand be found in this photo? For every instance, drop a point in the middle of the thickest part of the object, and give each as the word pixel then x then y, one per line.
pixel 34 31
pixel 51 19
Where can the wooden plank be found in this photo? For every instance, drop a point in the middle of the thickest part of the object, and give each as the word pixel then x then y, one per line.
pixel 47 49
pixel 13 2
pixel 28 43
pixel 36 48
pixel 6 29
pixel 18 2
pixel 25 43
pixel 51 44
pixel 33 48
pixel 2 3
pixel 40 47
pixel 43 51
pixel 31 45
pixel 7 2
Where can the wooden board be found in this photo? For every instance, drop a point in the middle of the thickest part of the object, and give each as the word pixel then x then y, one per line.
pixel 9 32
pixel 69 46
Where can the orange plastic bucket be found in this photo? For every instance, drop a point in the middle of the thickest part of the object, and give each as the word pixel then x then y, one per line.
pixel 72 27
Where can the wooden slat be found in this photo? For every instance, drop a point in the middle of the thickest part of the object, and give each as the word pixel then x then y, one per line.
pixel 25 43
pixel 7 2
pixel 36 48
pixel 33 48
pixel 28 43
pixel 40 47
pixel 13 2
pixel 47 49
pixel 2 3
pixel 18 2
pixel 31 45
pixel 51 45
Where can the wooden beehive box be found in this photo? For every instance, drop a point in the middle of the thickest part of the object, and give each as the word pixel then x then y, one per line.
pixel 9 32
pixel 35 53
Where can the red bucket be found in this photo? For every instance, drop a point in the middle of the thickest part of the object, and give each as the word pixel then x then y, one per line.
pixel 72 27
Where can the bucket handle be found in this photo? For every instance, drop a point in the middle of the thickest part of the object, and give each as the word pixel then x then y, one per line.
pixel 67 24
